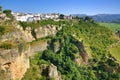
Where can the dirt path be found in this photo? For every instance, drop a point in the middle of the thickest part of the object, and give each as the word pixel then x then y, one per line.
pixel 113 45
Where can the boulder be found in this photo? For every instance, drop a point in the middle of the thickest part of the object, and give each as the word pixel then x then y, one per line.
pixel 53 73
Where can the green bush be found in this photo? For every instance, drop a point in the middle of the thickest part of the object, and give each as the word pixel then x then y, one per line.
pixel 8 13
pixel 2 30
pixel 23 24
pixel 6 46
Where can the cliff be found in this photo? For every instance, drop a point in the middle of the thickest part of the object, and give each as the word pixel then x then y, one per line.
pixel 53 72
pixel 13 64
pixel 29 34
pixel 13 61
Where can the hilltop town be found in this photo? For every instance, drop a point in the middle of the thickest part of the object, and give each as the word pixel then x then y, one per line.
pixel 29 17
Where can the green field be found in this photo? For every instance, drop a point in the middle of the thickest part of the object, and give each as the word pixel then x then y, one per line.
pixel 113 26
pixel 115 51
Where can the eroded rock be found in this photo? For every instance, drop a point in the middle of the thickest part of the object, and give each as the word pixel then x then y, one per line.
pixel 13 64
pixel 53 73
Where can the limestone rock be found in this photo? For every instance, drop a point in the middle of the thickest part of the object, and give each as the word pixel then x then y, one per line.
pixel 56 46
pixel 53 73
pixel 12 64
pixel 38 47
pixel 45 31
pixel 83 51
pixel 17 34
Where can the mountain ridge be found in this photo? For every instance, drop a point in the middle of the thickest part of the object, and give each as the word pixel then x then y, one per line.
pixel 115 18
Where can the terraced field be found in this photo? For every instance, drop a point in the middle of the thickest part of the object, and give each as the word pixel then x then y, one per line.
pixel 113 26
pixel 115 51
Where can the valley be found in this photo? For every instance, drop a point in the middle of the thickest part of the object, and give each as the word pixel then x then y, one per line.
pixel 64 49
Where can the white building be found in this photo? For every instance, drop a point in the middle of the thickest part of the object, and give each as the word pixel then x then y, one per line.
pixel 34 17
pixel 30 19
pixel 22 16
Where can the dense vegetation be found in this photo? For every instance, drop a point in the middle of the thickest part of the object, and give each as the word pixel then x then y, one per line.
pixel 37 24
pixel 64 49
pixel 8 14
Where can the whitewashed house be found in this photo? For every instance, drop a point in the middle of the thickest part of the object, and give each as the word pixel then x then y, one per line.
pixel 37 17
pixel 30 19
pixel 34 17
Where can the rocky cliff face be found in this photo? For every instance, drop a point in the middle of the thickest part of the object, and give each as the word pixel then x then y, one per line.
pixel 18 34
pixel 13 64
pixel 45 31
pixel 38 46
pixel 29 34
pixel 83 51
pixel 53 73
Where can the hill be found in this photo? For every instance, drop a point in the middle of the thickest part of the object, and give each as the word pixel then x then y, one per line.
pixel 114 18
pixel 68 49
pixel 79 51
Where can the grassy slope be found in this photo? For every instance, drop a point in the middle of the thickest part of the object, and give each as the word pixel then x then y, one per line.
pixel 112 26
pixel 115 51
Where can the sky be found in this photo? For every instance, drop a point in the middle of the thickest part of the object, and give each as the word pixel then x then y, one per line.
pixel 90 7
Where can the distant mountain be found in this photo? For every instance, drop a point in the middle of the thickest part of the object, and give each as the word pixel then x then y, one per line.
pixel 80 15
pixel 103 17
pixel 107 18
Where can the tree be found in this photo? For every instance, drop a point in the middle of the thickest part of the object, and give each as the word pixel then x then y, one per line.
pixel 87 18
pixel 0 9
pixel 8 13
pixel 61 16
pixel 23 24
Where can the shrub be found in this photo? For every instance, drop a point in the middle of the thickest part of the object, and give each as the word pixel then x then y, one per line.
pixel 6 46
pixel 2 30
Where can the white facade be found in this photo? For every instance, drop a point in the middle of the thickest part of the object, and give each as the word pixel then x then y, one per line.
pixel 34 17
pixel 21 18
pixel 30 19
